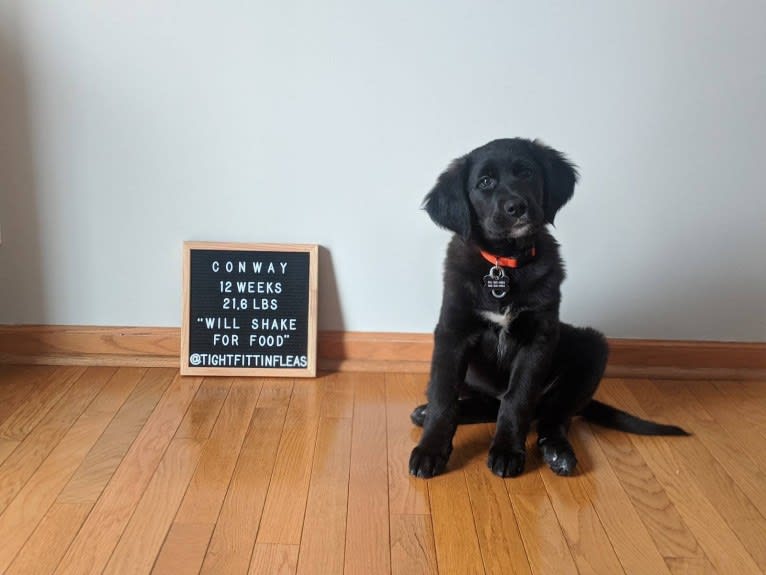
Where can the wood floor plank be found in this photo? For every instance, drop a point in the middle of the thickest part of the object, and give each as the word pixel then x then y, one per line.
pixel 630 539
pixel 738 460
pixel 338 394
pixel 716 483
pixel 670 534
pixel 544 541
pixel 368 549
pixel 324 529
pixel 101 531
pixel 7 447
pixel 756 389
pixel 232 542
pixel 455 538
pixel 412 545
pixel 38 444
pixel 546 546
pixel 19 382
pixel 183 550
pixel 46 546
pixel 588 541
pixel 498 533
pixel 723 408
pixel 140 543
pixel 407 495
pixel 285 507
pixel 412 541
pixel 274 559
pixel 721 544
pixel 751 411
pixel 52 537
pixel 205 408
pixel 32 502
pixel 102 460
pixel 738 393
pixel 37 404
pixel 203 499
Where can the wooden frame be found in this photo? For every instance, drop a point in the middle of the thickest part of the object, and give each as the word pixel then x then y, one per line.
pixel 311 349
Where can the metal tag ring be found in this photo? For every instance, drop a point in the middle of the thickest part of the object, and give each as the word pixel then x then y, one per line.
pixel 496 272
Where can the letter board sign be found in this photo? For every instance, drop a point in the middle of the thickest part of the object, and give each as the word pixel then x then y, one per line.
pixel 249 309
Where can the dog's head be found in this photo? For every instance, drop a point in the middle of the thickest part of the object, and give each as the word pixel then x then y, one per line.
pixel 503 191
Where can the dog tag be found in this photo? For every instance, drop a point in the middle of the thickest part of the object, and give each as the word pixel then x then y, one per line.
pixel 497 282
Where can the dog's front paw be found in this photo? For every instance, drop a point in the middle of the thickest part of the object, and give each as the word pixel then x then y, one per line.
pixel 506 462
pixel 426 462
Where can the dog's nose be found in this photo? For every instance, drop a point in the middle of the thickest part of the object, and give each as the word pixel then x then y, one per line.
pixel 516 206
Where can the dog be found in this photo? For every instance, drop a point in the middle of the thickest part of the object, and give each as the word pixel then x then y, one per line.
pixel 500 352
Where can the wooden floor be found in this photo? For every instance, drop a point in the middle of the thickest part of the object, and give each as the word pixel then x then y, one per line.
pixel 139 470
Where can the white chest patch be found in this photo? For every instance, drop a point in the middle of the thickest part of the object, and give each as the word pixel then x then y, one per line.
pixel 502 319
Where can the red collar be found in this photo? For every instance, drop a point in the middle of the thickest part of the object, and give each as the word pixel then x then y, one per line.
pixel 509 262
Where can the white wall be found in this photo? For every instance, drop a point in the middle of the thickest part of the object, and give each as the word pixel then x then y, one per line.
pixel 128 127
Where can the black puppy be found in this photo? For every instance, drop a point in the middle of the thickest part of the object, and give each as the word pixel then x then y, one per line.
pixel 501 352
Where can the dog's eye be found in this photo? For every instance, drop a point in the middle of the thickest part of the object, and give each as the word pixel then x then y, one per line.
pixel 522 171
pixel 485 183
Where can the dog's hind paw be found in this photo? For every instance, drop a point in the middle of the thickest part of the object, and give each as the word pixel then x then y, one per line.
pixel 559 456
pixel 418 415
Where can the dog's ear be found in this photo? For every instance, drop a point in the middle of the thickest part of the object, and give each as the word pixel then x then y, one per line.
pixel 447 202
pixel 560 178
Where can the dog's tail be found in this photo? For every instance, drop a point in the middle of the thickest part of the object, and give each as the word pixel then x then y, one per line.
pixel 608 416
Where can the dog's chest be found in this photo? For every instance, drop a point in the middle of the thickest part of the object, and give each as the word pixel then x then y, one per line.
pixel 496 341
pixel 502 318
